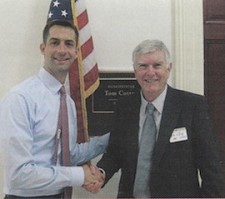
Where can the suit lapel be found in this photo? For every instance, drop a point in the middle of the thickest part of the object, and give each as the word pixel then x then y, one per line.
pixel 132 132
pixel 171 111
pixel 170 114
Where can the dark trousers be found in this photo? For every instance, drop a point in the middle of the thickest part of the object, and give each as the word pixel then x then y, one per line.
pixel 35 197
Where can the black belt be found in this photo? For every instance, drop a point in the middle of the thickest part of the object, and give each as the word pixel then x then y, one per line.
pixel 34 197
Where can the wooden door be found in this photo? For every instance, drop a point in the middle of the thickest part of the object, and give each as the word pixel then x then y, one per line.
pixel 214 67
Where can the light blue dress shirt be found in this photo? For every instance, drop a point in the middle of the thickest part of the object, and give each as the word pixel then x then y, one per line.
pixel 29 116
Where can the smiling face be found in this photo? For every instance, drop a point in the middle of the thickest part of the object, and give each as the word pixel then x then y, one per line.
pixel 152 72
pixel 59 51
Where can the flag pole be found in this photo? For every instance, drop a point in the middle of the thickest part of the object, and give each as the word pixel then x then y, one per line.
pixel 81 79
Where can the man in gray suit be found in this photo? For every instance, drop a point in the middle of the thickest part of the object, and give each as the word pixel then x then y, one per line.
pixel 184 146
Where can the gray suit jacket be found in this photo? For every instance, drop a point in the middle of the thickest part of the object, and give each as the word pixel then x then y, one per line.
pixel 175 163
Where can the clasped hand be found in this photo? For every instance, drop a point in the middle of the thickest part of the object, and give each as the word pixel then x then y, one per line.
pixel 94 178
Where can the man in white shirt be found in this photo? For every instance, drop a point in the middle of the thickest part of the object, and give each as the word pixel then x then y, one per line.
pixel 29 116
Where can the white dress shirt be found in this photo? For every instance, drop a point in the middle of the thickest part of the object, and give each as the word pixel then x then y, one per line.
pixel 158 104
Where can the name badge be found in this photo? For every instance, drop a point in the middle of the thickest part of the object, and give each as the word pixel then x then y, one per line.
pixel 178 135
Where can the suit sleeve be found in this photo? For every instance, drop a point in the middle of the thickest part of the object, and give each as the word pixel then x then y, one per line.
pixel 207 153
pixel 111 160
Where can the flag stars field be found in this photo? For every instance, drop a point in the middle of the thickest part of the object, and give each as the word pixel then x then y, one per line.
pixel 50 15
pixel 64 13
pixel 56 4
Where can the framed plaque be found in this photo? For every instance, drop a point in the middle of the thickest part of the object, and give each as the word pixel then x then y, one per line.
pixel 101 104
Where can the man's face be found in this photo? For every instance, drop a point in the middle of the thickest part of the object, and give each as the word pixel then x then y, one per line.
pixel 60 50
pixel 152 72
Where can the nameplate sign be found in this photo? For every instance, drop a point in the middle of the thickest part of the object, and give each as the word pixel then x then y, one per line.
pixel 101 105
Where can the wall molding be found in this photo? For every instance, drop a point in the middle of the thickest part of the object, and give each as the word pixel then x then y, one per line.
pixel 188 49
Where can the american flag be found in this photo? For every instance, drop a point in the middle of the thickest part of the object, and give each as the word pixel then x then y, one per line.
pixel 83 75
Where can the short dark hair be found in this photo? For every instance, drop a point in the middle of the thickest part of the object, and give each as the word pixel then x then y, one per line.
pixel 59 23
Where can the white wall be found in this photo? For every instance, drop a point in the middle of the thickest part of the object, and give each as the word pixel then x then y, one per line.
pixel 117 27
pixel 21 26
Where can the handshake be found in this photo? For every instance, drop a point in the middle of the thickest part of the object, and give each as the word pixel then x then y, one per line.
pixel 94 178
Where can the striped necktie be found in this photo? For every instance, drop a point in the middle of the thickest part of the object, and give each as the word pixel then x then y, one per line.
pixel 64 126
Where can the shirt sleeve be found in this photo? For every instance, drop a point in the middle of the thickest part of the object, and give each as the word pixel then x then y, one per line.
pixel 22 175
pixel 86 151
pixel 77 176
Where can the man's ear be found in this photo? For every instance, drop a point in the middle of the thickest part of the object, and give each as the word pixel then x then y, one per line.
pixel 170 67
pixel 77 51
pixel 42 48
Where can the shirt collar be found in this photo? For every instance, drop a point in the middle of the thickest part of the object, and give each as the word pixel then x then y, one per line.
pixel 49 81
pixel 158 102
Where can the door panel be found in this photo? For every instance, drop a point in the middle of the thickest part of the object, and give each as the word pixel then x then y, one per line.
pixel 214 67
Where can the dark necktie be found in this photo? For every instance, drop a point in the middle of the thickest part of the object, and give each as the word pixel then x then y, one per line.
pixel 63 125
pixel 147 143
